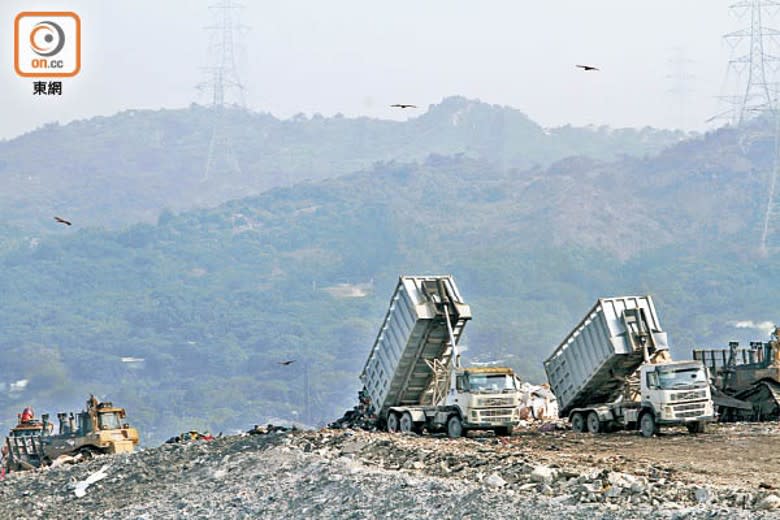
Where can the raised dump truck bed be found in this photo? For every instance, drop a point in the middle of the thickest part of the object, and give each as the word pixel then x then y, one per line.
pixel 413 338
pixel 593 362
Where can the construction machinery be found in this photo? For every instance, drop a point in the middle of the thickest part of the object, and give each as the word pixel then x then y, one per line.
pixel 413 378
pixel 23 447
pixel 746 380
pixel 99 429
pixel 613 370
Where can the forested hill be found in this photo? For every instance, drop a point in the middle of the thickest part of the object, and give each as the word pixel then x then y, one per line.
pixel 111 171
pixel 210 300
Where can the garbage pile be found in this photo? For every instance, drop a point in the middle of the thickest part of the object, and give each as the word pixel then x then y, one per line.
pixel 190 436
pixel 353 474
pixel 538 403
pixel 360 417
pixel 271 428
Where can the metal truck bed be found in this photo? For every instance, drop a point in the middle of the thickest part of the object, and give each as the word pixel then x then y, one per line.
pixel 413 334
pixel 594 361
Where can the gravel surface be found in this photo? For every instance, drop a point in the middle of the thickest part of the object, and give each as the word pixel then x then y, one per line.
pixel 354 474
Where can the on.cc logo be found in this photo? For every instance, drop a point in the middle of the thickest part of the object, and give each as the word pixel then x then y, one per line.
pixel 47 44
pixel 47 38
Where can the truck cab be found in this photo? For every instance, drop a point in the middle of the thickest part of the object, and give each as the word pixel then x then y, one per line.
pixel 668 393
pixel 676 393
pixel 481 398
pixel 487 398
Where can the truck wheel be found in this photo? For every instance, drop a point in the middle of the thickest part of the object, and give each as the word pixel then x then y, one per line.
pixel 406 425
pixel 647 426
pixel 697 427
pixel 594 424
pixel 454 427
pixel 578 423
pixel 392 422
pixel 504 431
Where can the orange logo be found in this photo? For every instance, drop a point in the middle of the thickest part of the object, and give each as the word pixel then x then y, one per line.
pixel 47 44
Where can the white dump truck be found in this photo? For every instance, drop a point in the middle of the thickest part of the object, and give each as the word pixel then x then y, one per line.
pixel 413 375
pixel 614 371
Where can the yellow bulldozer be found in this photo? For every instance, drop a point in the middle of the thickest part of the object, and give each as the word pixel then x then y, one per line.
pixel 99 429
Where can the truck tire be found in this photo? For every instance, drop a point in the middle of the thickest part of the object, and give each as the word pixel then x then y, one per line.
pixel 504 431
pixel 647 425
pixel 406 424
pixel 578 422
pixel 697 427
pixel 594 423
pixel 454 427
pixel 392 422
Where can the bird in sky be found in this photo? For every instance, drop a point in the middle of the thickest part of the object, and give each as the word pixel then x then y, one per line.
pixel 62 221
pixel 287 363
pixel 587 67
pixel 403 105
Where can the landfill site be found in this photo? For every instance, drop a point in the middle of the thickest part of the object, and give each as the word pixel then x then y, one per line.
pixel 358 474
pixel 619 430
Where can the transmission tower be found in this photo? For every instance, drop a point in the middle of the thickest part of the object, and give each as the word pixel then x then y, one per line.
pixel 756 67
pixel 223 84
pixel 755 94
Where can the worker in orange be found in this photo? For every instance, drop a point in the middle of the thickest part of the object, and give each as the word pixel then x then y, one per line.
pixel 27 415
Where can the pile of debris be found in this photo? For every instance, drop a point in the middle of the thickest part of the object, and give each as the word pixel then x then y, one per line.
pixel 499 464
pixel 360 417
pixel 350 473
pixel 192 436
pixel 538 403
pixel 271 428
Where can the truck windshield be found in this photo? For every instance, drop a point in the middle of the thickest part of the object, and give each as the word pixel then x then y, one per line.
pixel 109 421
pixel 682 378
pixel 491 382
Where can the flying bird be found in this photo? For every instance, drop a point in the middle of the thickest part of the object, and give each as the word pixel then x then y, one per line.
pixel 287 363
pixel 587 67
pixel 62 221
pixel 402 105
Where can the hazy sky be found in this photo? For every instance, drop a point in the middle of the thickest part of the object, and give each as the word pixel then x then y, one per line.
pixel 357 56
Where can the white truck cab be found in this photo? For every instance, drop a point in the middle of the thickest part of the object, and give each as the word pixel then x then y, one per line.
pixel 677 392
pixel 487 397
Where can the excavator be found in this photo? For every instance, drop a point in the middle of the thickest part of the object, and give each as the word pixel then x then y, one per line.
pixel 99 429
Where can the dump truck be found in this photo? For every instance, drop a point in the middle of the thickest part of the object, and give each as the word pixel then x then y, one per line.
pixel 98 429
pixel 613 370
pixel 413 378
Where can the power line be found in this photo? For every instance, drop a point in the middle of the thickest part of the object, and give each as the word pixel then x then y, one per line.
pixel 679 64
pixel 771 204
pixel 756 86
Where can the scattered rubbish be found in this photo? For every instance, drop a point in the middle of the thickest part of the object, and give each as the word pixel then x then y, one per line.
pixel 190 436
pixel 67 459
pixel 537 402
pixel 270 428
pixel 81 486
pixel 360 416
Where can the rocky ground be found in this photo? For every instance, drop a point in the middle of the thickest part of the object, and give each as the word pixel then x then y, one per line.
pixel 728 473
